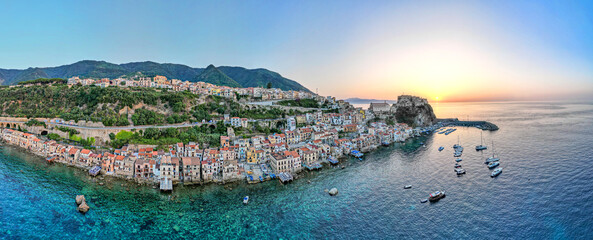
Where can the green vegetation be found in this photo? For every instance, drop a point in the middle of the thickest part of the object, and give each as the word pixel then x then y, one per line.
pixel 213 75
pixel 88 103
pixel 219 106
pixel 209 135
pixel 307 103
pixel 34 122
pixel 68 130
pixel 100 69
pixel 147 117
pixel 54 136
pixel 44 81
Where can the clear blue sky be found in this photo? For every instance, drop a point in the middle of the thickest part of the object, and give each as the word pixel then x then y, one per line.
pixel 378 49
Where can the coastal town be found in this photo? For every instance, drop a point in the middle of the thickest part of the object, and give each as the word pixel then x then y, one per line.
pixel 306 142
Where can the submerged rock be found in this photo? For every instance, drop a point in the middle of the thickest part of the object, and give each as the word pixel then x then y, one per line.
pixel 333 192
pixel 80 199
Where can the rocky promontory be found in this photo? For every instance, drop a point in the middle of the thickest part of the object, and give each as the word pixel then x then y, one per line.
pixel 414 111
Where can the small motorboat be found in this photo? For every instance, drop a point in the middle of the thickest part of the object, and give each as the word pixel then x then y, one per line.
pixel 245 199
pixel 491 159
pixel 460 171
pixel 433 197
pixel 481 147
pixel 424 200
pixel 458 160
pixel 496 172
pixel 441 148
pixel 493 164
pixel 457 165
pixel 407 186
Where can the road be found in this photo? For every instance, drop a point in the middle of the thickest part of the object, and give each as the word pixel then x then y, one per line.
pixel 122 127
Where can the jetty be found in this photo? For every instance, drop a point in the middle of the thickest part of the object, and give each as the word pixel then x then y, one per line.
pixel 332 160
pixel 484 125
pixel 285 177
pixel 166 184
pixel 94 171
pixel 314 166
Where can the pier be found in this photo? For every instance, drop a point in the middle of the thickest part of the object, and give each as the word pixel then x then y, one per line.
pixel 285 177
pixel 166 184
pixel 94 171
pixel 484 125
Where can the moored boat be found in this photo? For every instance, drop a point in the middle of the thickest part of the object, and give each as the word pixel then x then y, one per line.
pixel 481 146
pixel 460 171
pixel 441 148
pixel 491 159
pixel 458 160
pixel 493 164
pixel 433 197
pixel 496 172
pixel 457 165
pixel 245 199
pixel 407 186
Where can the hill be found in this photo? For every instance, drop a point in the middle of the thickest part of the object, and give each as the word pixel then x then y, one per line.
pixel 213 75
pixel 223 75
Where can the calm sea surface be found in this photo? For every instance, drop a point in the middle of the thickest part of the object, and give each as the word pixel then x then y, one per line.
pixel 544 192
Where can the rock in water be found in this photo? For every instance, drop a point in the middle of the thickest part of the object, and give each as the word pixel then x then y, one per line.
pixel 80 199
pixel 414 111
pixel 333 192
pixel 83 208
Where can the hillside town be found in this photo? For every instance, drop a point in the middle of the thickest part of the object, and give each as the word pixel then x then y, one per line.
pixel 306 142
pixel 258 93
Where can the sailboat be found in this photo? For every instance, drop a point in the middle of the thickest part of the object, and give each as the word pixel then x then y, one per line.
pixel 481 146
pixel 492 159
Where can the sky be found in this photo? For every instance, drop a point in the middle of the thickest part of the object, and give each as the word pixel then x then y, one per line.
pixel 450 50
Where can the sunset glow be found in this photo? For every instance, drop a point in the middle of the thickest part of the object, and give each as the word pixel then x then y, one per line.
pixel 459 51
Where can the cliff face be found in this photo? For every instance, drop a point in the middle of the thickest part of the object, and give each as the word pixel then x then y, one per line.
pixel 414 111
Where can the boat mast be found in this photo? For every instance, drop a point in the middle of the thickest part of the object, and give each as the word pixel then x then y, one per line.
pixel 493 148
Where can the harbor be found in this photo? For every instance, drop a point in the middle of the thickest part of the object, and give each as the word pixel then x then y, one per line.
pixel 35 193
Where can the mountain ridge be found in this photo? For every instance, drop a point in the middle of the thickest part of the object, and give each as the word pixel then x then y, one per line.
pixel 232 76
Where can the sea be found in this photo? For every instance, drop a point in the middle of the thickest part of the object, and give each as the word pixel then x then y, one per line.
pixel 544 192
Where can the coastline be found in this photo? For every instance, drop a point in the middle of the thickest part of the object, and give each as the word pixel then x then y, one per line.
pixel 154 184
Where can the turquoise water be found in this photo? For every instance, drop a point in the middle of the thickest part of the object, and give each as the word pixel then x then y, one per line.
pixel 544 191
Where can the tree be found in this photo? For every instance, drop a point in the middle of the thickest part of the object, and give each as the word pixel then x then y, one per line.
pixel 112 136
pixel 269 85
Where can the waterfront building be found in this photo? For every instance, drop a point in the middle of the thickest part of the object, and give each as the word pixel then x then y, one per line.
pixel 287 161
pixel 191 169
pixel 169 168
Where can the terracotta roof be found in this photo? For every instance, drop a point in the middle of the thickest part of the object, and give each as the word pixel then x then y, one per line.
pixel 85 151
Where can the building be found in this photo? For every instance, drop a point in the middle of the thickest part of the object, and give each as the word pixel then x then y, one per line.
pixel 380 107
pixel 170 168
pixel 287 161
pixel 191 169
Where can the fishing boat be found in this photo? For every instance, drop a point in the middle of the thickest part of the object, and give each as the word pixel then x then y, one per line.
pixel 433 197
pixel 245 199
pixel 496 172
pixel 481 146
pixel 407 186
pixel 493 164
pixel 441 148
